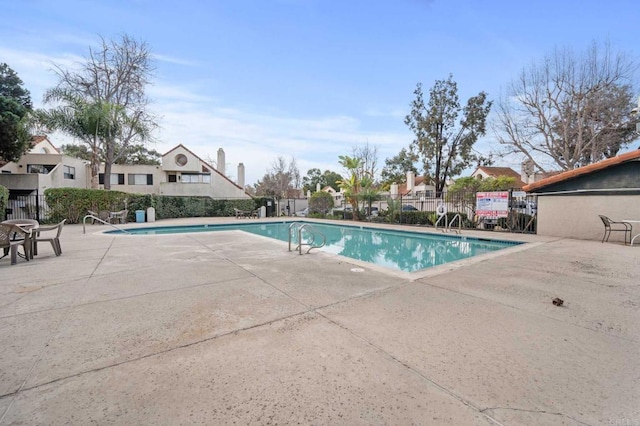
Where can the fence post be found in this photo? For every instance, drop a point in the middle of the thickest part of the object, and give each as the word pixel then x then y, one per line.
pixel 37 205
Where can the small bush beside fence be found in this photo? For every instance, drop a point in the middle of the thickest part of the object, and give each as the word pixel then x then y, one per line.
pixel 73 203
pixel 4 200
pixel 168 207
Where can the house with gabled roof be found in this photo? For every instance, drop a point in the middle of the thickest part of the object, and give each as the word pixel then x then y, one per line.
pixel 42 167
pixel 484 172
pixel 570 202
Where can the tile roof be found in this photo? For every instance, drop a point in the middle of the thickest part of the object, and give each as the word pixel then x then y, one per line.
pixel 503 171
pixel 590 168
pixel 402 188
pixel 40 138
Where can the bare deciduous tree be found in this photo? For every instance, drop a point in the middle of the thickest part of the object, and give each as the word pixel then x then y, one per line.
pixel 282 180
pixel 569 110
pixel 368 155
pixel 113 80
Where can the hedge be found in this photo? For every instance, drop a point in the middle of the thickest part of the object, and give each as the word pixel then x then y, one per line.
pixel 74 203
pixel 168 207
pixel 4 201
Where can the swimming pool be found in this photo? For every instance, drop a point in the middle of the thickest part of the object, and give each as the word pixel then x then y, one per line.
pixel 399 250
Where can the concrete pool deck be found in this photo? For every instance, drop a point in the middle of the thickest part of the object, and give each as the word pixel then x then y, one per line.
pixel 231 328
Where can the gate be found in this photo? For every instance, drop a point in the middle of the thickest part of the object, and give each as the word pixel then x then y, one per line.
pixel 27 207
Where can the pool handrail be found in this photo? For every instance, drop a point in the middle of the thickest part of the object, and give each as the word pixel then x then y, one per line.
pixel 90 216
pixel 298 227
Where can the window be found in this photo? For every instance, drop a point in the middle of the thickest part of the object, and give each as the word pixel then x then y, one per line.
pixel 190 178
pixel 69 172
pixel 140 179
pixel 181 160
pixel 173 178
pixel 39 168
pixel 196 178
pixel 116 179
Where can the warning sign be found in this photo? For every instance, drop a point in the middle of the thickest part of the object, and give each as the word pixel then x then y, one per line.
pixel 492 205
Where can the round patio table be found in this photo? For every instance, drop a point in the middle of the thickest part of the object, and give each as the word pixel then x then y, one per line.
pixel 632 221
pixel 25 225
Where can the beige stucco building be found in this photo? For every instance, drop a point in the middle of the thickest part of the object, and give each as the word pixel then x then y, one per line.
pixel 181 173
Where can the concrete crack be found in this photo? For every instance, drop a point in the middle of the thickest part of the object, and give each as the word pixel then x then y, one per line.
pixel 524 410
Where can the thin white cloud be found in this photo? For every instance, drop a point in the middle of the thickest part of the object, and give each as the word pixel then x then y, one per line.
pixel 36 69
pixel 391 113
pixel 165 93
pixel 258 139
pixel 173 60
pixel 204 124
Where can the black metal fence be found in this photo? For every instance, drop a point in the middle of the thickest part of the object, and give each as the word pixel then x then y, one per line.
pixel 458 207
pixel 417 210
pixel 27 207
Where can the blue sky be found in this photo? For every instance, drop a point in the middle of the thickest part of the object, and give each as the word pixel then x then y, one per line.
pixel 306 78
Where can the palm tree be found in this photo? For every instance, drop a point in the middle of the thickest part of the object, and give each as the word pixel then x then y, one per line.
pixel 74 116
pixel 368 192
pixel 351 184
pixel 105 128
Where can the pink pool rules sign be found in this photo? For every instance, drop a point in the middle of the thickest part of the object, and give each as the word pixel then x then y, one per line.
pixel 492 205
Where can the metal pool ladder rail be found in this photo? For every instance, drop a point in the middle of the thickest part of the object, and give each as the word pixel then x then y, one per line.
pixel 90 216
pixel 297 228
pixel 447 226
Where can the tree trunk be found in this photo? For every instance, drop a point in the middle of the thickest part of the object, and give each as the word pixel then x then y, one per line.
pixel 108 161
pixel 95 169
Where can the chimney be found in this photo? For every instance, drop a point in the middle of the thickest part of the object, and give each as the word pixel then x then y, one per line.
pixel 394 190
pixel 411 178
pixel 240 172
pixel 221 162
pixel 526 171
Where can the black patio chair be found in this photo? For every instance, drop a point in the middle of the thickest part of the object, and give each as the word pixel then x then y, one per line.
pixel 613 226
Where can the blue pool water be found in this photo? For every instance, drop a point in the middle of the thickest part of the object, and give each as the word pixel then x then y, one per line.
pixel 400 250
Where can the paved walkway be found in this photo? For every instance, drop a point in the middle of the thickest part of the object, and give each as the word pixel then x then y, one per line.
pixel 230 328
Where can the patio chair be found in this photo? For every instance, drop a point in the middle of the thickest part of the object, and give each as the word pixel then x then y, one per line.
pixel 241 213
pixel 118 217
pixel 102 215
pixel 613 226
pixel 10 241
pixel 52 237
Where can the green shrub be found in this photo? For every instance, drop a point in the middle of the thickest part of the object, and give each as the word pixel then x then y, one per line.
pixel 74 203
pixel 423 218
pixel 4 201
pixel 339 215
pixel 320 201
pixel 517 222
pixel 170 207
